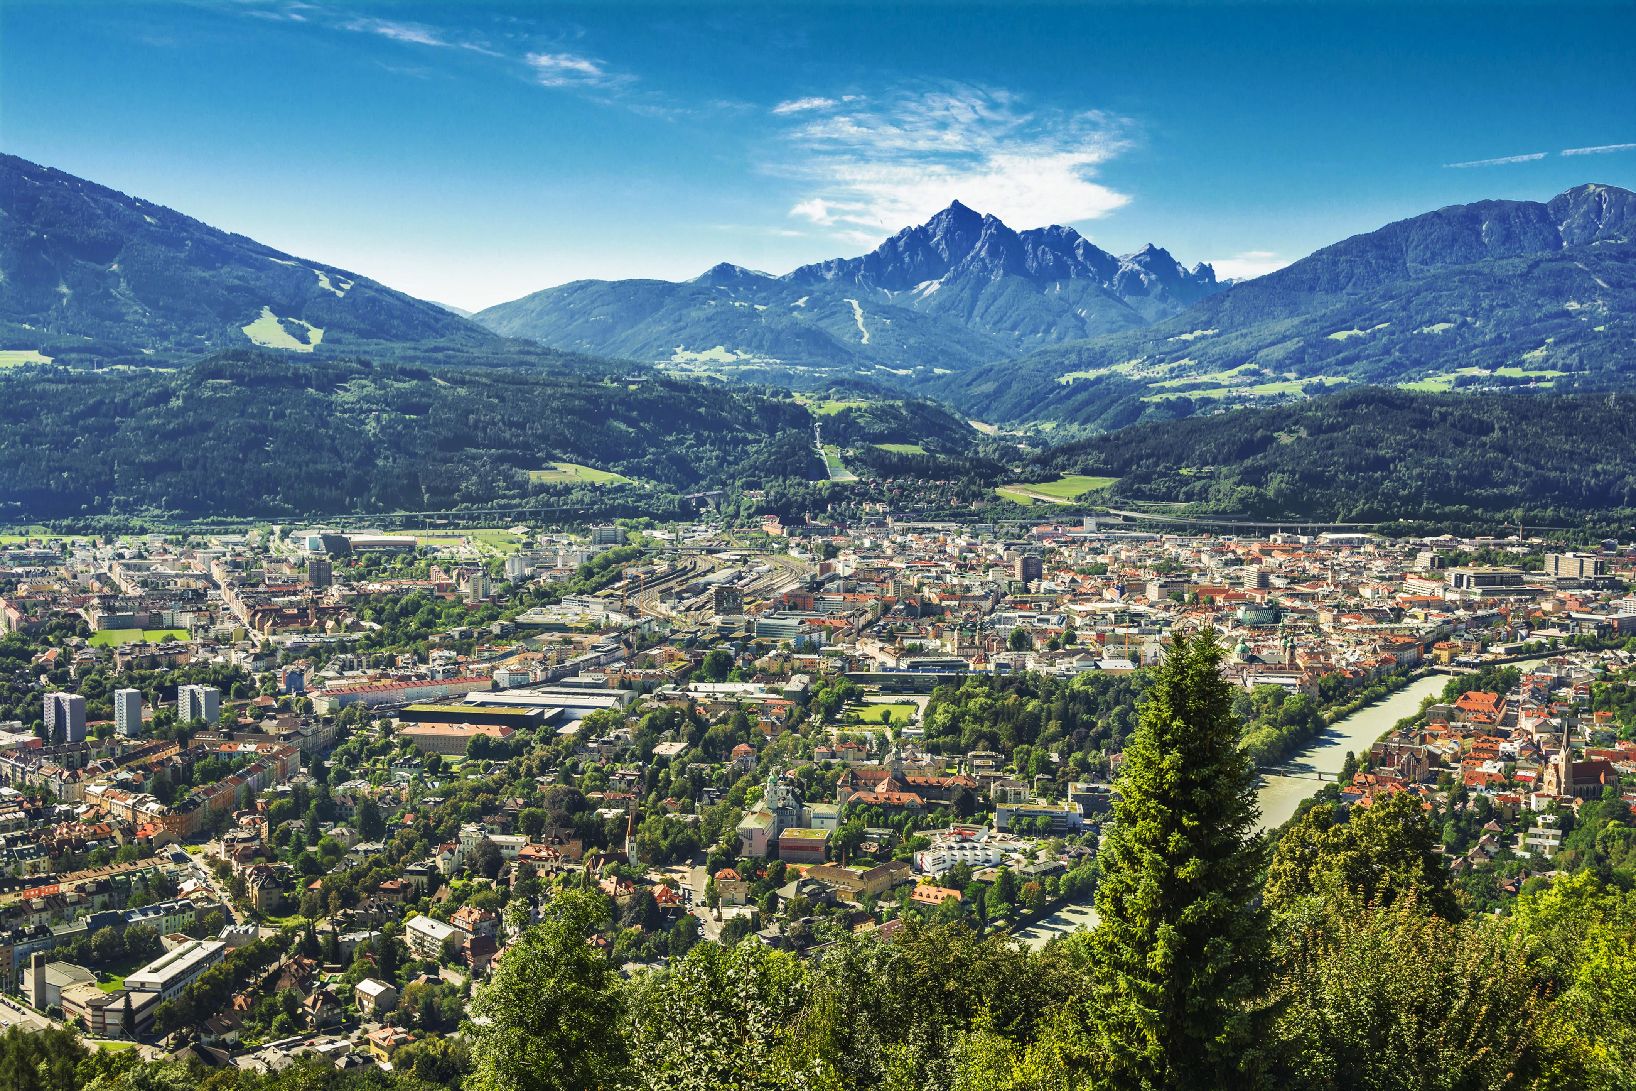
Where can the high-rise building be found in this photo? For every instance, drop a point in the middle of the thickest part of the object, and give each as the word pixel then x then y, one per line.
pixel 1027 568
pixel 603 537
pixel 64 718
pixel 198 703
pixel 128 712
pixel 320 572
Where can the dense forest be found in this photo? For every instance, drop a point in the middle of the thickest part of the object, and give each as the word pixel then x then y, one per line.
pixel 248 433
pixel 1378 455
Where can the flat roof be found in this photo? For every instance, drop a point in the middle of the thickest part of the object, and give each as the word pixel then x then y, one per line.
pixel 167 967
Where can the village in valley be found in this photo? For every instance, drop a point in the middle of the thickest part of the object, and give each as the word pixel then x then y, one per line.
pixel 290 792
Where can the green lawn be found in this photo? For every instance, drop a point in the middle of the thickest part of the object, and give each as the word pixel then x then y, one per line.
pixel 902 448
pixel 16 357
pixel 1062 490
pixel 573 473
pixel 901 712
pixel 484 539
pixel 108 638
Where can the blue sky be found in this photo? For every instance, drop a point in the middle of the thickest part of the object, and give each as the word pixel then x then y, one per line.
pixel 472 154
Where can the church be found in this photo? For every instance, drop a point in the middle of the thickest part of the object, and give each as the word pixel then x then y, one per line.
pixel 1565 777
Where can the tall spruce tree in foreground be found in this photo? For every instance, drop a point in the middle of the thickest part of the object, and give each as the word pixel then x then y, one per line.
pixel 1180 936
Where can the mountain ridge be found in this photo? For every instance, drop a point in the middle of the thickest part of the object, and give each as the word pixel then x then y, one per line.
pixel 960 289
pixel 1493 293
pixel 89 271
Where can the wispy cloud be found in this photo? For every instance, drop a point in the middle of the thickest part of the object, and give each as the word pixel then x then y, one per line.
pixel 1599 149
pixel 540 57
pixel 571 70
pixel 801 105
pixel 1248 264
pixel 412 33
pixel 1499 161
pixel 873 164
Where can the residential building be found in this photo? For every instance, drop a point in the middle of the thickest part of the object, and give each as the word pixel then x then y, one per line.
pixel 426 936
pixel 128 713
pixel 198 704
pixel 64 718
pixel 375 998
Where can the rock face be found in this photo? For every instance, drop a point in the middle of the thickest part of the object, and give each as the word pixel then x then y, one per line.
pixel 960 289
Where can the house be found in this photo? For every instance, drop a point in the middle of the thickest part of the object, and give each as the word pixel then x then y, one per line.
pixel 426 936
pixel 731 889
pixel 475 921
pixel 375 998
pixel 385 1041
pixel 322 1009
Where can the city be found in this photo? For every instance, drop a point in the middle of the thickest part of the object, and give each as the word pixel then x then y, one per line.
pixel 292 792
pixel 819 546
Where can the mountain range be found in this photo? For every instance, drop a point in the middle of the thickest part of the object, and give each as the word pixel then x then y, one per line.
pixel 88 273
pixel 1496 294
pixel 1007 326
pixel 956 292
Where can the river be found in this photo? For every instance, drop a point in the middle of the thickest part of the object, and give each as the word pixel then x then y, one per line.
pixel 1279 796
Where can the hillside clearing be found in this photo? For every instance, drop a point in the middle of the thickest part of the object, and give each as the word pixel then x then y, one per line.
pixel 574 473
pixel 1061 491
pixel 271 331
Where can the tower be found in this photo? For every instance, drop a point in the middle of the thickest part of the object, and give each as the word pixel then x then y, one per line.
pixel 630 833
pixel 128 712
pixel 1565 763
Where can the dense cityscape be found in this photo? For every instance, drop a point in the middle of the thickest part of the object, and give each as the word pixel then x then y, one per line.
pixel 295 792
pixel 817 546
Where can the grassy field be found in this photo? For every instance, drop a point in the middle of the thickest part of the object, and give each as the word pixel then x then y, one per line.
pixel 108 638
pixel 1220 378
pixel 482 539
pixel 270 332
pixel 900 712
pixel 837 468
pixel 571 473
pixel 1268 389
pixel 1060 491
pixel 902 448
pixel 16 357
pixel 1442 384
pixel 828 407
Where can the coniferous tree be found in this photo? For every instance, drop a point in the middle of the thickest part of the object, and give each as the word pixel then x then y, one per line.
pixel 1176 950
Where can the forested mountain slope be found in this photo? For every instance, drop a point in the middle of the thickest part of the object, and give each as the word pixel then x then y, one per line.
pixel 1380 454
pixel 252 433
pixel 1487 295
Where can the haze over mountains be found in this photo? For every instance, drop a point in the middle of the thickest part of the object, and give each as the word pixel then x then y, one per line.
pixel 960 290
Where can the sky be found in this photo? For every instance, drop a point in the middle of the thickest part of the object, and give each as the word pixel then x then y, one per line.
pixel 472 153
